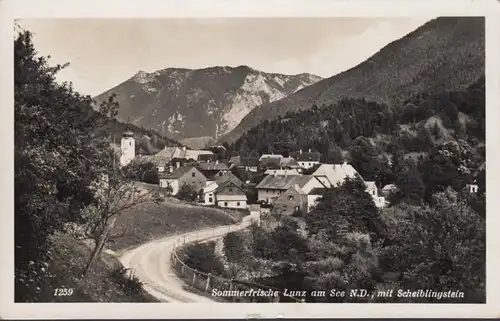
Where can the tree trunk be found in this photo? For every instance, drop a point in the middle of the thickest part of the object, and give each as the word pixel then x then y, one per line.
pixel 99 246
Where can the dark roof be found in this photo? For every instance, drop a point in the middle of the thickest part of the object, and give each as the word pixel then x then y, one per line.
pixel 317 191
pixel 306 156
pixel 270 161
pixel 249 161
pixel 207 157
pixel 283 182
pixel 223 185
pixel 213 166
pixel 227 177
pixel 177 173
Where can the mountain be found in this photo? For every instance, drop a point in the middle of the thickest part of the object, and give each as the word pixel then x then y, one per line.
pixel 184 103
pixel 447 53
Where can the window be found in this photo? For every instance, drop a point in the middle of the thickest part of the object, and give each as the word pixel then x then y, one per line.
pixel 237 203
pixel 225 204
pixel 193 174
pixel 130 143
pixel 297 208
pixel 210 199
pixel 220 173
pixel 230 189
pixel 290 197
pixel 210 194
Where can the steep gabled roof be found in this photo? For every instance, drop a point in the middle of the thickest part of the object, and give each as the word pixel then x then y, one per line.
pixel 283 182
pixel 317 191
pixel 228 176
pixel 227 184
pixel 177 173
pixel 213 166
pixel 336 173
pixel 310 156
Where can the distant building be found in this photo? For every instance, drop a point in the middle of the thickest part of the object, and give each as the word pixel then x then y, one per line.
pixel 183 176
pixel 273 186
pixel 230 195
pixel 333 175
pixel 306 160
pixel 272 155
pixel 127 148
pixel 282 172
pixel 389 189
pixel 292 200
pixel 313 197
pixel 371 188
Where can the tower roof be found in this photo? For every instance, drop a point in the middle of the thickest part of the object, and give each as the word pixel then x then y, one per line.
pixel 128 133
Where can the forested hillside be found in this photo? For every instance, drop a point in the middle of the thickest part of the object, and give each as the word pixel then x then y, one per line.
pixel 447 53
pixel 376 139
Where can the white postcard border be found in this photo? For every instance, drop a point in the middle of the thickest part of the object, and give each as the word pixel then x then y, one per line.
pixel 17 9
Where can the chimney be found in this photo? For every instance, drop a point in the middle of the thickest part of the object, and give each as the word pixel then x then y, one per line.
pixel 184 148
pixel 275 173
pixel 300 151
pixel 309 150
pixel 177 165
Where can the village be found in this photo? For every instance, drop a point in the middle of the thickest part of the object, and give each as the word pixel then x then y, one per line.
pixel 290 185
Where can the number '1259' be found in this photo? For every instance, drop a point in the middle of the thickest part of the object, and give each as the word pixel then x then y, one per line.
pixel 63 292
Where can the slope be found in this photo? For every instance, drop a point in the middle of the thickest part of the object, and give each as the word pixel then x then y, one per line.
pixel 446 53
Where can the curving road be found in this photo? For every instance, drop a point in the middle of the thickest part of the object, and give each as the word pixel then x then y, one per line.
pixel 150 262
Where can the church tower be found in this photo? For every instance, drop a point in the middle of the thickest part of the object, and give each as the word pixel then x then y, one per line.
pixel 127 148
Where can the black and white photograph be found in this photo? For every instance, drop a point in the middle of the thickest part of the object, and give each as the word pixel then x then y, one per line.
pixel 247 160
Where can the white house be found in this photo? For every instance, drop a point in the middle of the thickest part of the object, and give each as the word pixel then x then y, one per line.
pixel 127 148
pixel 230 195
pixel 282 172
pixel 333 175
pixel 183 176
pixel 272 186
pixel 371 188
pixel 209 193
pixel 306 160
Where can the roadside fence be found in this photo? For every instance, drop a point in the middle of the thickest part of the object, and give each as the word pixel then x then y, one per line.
pixel 217 286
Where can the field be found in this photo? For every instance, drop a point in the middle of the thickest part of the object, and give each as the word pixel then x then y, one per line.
pixel 150 221
pixel 70 257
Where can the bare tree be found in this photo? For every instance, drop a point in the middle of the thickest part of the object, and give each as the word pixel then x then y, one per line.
pixel 115 194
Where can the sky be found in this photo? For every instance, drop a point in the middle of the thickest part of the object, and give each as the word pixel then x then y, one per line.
pixel 103 53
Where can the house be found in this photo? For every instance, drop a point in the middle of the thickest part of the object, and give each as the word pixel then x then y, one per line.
pixel 282 172
pixel 227 176
pixel 313 197
pixel 249 164
pixel 371 188
pixel 289 163
pixel 306 159
pixel 194 154
pixel 206 158
pixel 291 201
pixel 388 190
pixel 187 175
pixel 209 193
pixel 272 155
pixel 210 169
pixel 270 162
pixel 234 161
pixel 272 186
pixel 472 188
pixel 230 195
pixel 333 175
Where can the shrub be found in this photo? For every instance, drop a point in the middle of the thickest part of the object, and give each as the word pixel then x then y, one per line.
pixel 131 284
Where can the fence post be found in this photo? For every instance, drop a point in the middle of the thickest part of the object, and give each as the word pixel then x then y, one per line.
pixel 229 228
pixel 194 276
pixel 184 238
pixel 208 281
pixel 197 234
pixel 182 270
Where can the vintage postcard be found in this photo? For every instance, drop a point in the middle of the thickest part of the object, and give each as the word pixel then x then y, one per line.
pixel 272 158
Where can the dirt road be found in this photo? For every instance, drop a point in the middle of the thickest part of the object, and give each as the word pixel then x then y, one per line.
pixel 150 262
